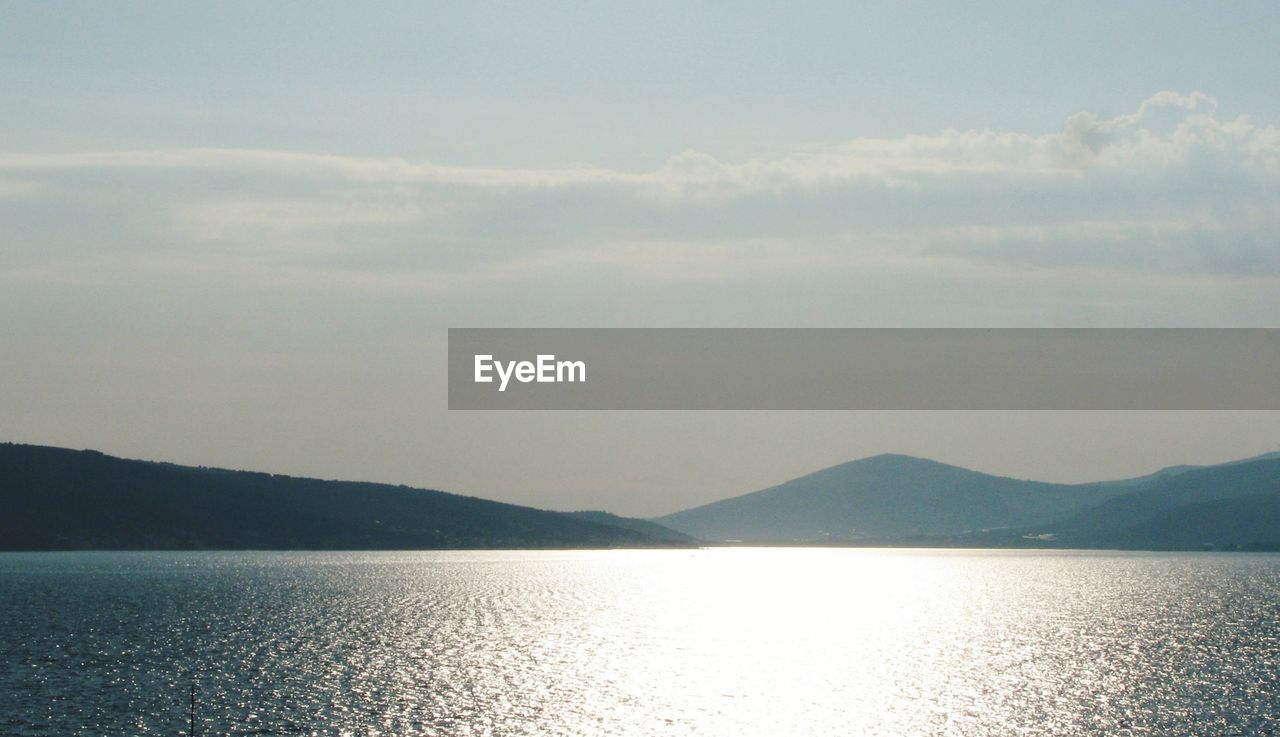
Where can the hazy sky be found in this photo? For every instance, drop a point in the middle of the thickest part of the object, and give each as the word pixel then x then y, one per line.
pixel 234 234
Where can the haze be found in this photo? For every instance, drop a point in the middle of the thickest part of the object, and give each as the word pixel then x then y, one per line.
pixel 235 234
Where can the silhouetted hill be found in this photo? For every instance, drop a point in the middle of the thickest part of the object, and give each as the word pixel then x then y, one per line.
pixel 897 500
pixel 1245 523
pixel 1233 505
pixel 54 498
pixel 885 498
pixel 643 526
pixel 1165 474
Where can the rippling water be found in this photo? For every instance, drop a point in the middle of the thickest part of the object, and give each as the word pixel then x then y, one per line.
pixel 706 642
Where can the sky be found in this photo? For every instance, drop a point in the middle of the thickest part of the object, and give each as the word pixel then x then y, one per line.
pixel 234 234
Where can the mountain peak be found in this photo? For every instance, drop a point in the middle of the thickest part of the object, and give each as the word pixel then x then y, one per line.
pixel 901 460
pixel 886 496
pixel 894 458
pixel 894 463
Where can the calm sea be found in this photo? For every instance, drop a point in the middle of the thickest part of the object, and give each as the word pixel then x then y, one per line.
pixel 727 642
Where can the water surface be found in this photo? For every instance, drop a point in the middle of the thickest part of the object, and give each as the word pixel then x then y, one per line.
pixel 690 642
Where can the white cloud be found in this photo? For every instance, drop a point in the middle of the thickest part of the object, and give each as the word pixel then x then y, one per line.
pixel 1168 128
pixel 1169 189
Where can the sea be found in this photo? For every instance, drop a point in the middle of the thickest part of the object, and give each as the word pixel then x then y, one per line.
pixel 718 641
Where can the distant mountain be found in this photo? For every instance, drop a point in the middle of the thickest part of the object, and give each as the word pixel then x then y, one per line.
pixel 900 500
pixel 54 498
pixel 59 499
pixel 885 498
pixel 643 526
pixel 1165 473
pixel 1233 505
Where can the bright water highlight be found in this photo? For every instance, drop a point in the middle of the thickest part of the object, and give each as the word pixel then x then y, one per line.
pixel 691 642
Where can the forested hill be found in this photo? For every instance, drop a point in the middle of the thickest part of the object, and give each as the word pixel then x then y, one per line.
pixel 900 500
pixel 60 499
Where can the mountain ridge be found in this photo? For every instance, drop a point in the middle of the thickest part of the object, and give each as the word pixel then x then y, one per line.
pixel 894 499
pixel 1174 512
pixel 57 498
pixel 843 503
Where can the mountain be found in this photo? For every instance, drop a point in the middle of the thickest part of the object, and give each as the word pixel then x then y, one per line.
pixel 59 499
pixel 1165 473
pixel 896 500
pixel 1233 505
pixel 886 498
pixel 54 498
pixel 643 526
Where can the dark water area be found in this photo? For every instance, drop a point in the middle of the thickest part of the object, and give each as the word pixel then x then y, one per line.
pixel 677 642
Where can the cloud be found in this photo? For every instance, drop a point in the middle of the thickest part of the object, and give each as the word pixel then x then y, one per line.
pixel 1167 128
pixel 1169 189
